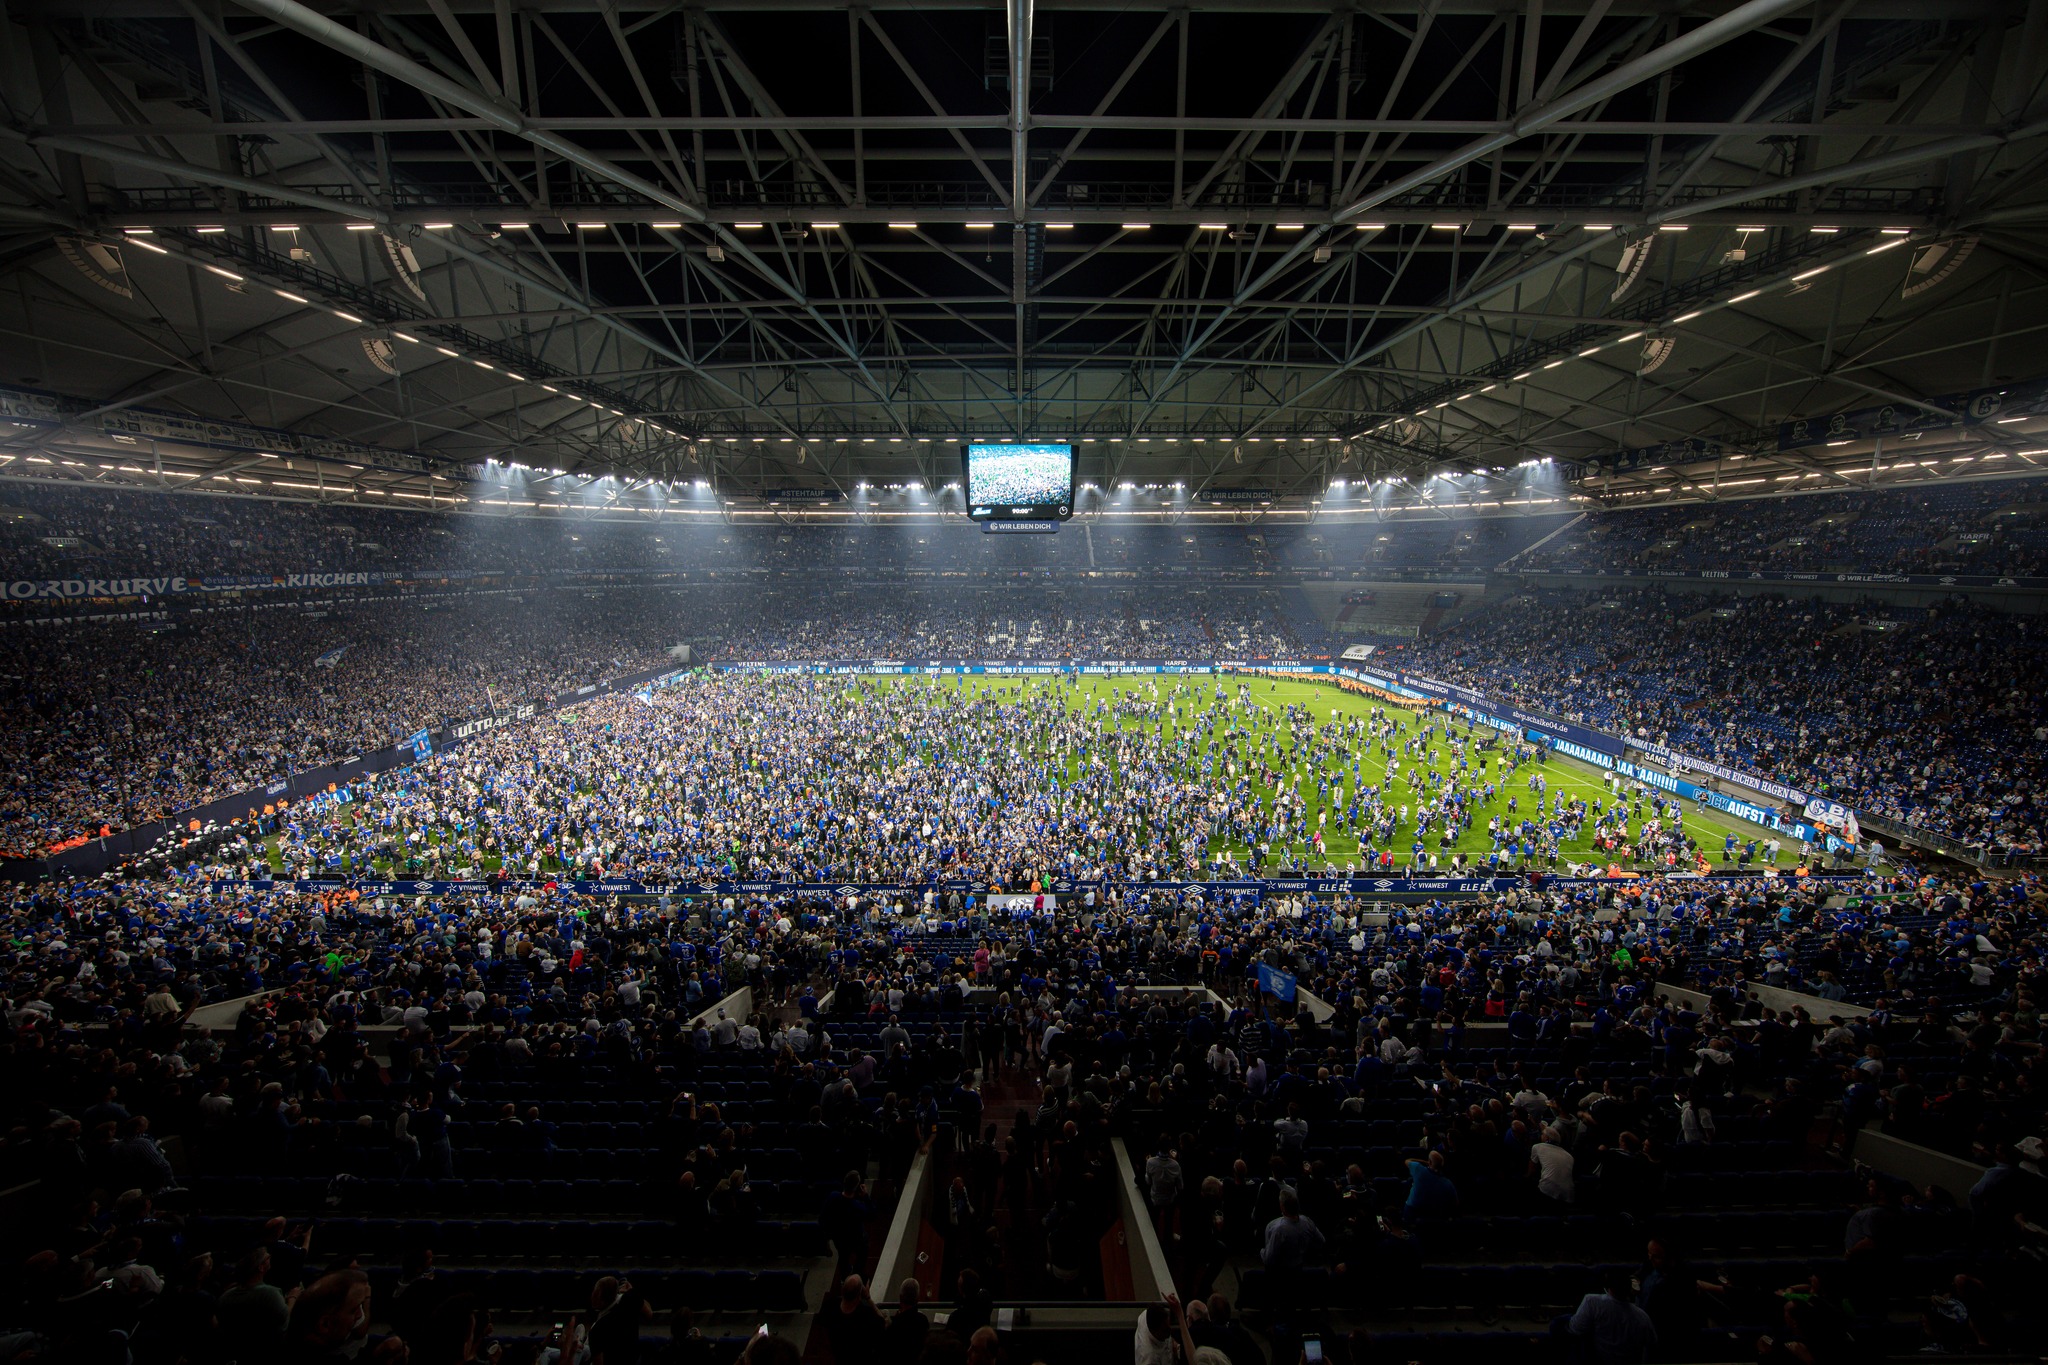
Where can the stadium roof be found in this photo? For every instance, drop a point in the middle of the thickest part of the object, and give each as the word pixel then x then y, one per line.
pixel 787 243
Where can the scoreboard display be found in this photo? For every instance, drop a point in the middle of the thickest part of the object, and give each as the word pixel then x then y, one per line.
pixel 1016 481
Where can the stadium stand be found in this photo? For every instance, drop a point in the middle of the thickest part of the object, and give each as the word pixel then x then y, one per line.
pixel 1979 530
pixel 1502 1113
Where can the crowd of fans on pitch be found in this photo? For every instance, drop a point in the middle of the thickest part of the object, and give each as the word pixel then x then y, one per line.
pixel 1929 723
pixel 1929 717
pixel 820 779
pixel 1222 1107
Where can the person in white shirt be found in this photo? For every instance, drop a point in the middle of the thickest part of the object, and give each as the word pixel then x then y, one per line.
pixel 1153 1344
pixel 1553 1167
pixel 1695 1123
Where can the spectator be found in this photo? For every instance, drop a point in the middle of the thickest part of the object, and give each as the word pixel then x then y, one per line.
pixel 1609 1328
pixel 1290 1239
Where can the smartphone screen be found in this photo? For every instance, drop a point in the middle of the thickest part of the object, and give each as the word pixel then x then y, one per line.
pixel 1312 1350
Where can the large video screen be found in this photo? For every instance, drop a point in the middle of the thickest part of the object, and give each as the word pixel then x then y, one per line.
pixel 1027 481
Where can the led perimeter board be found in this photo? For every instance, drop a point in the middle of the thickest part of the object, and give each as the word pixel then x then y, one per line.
pixel 1008 481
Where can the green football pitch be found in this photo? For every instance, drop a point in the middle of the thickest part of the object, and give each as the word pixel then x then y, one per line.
pixel 1201 720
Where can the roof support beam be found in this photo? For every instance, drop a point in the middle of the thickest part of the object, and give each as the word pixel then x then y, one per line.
pixel 1740 20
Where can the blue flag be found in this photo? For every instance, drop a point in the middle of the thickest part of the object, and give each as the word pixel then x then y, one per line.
pixel 1276 983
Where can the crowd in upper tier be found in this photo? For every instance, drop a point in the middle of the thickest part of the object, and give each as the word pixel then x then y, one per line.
pixel 53 532
pixel 1999 528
